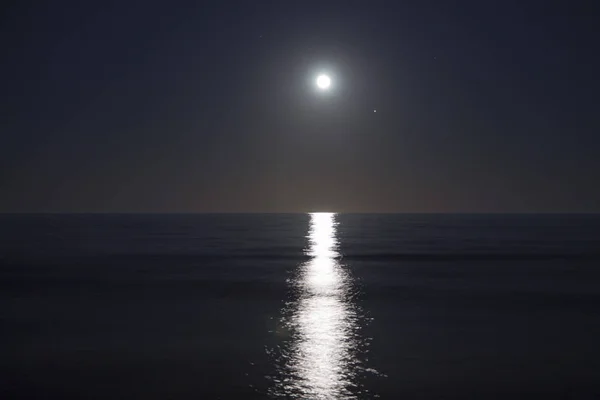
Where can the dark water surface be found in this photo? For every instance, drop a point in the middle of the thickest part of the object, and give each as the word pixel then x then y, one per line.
pixel 299 306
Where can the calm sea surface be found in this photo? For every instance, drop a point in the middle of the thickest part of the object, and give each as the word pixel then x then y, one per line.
pixel 299 306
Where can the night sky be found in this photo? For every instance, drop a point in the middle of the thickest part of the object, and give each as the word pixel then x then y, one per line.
pixel 173 106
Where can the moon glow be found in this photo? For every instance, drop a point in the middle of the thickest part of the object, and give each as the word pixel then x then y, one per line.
pixel 323 82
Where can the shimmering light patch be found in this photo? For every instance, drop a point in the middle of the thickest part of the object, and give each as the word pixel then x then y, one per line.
pixel 322 361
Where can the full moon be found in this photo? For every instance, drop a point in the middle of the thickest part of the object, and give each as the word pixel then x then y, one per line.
pixel 323 81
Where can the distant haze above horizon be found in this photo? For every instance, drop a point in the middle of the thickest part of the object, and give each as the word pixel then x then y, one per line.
pixel 180 106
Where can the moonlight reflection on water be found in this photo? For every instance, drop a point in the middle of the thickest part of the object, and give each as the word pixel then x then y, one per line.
pixel 321 361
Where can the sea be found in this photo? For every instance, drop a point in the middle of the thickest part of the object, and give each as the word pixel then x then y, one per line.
pixel 299 306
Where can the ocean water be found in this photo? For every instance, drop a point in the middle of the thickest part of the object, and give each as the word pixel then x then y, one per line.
pixel 299 306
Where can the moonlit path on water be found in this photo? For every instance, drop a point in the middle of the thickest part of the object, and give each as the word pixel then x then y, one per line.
pixel 322 362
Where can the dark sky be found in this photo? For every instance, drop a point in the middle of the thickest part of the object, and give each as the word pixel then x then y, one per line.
pixel 177 106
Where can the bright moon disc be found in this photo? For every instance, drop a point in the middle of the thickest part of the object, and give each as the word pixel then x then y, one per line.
pixel 323 81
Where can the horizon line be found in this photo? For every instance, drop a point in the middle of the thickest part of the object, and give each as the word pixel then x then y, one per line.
pixel 299 212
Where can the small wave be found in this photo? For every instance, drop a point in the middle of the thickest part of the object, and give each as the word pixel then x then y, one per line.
pixel 466 256
pixel 95 258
